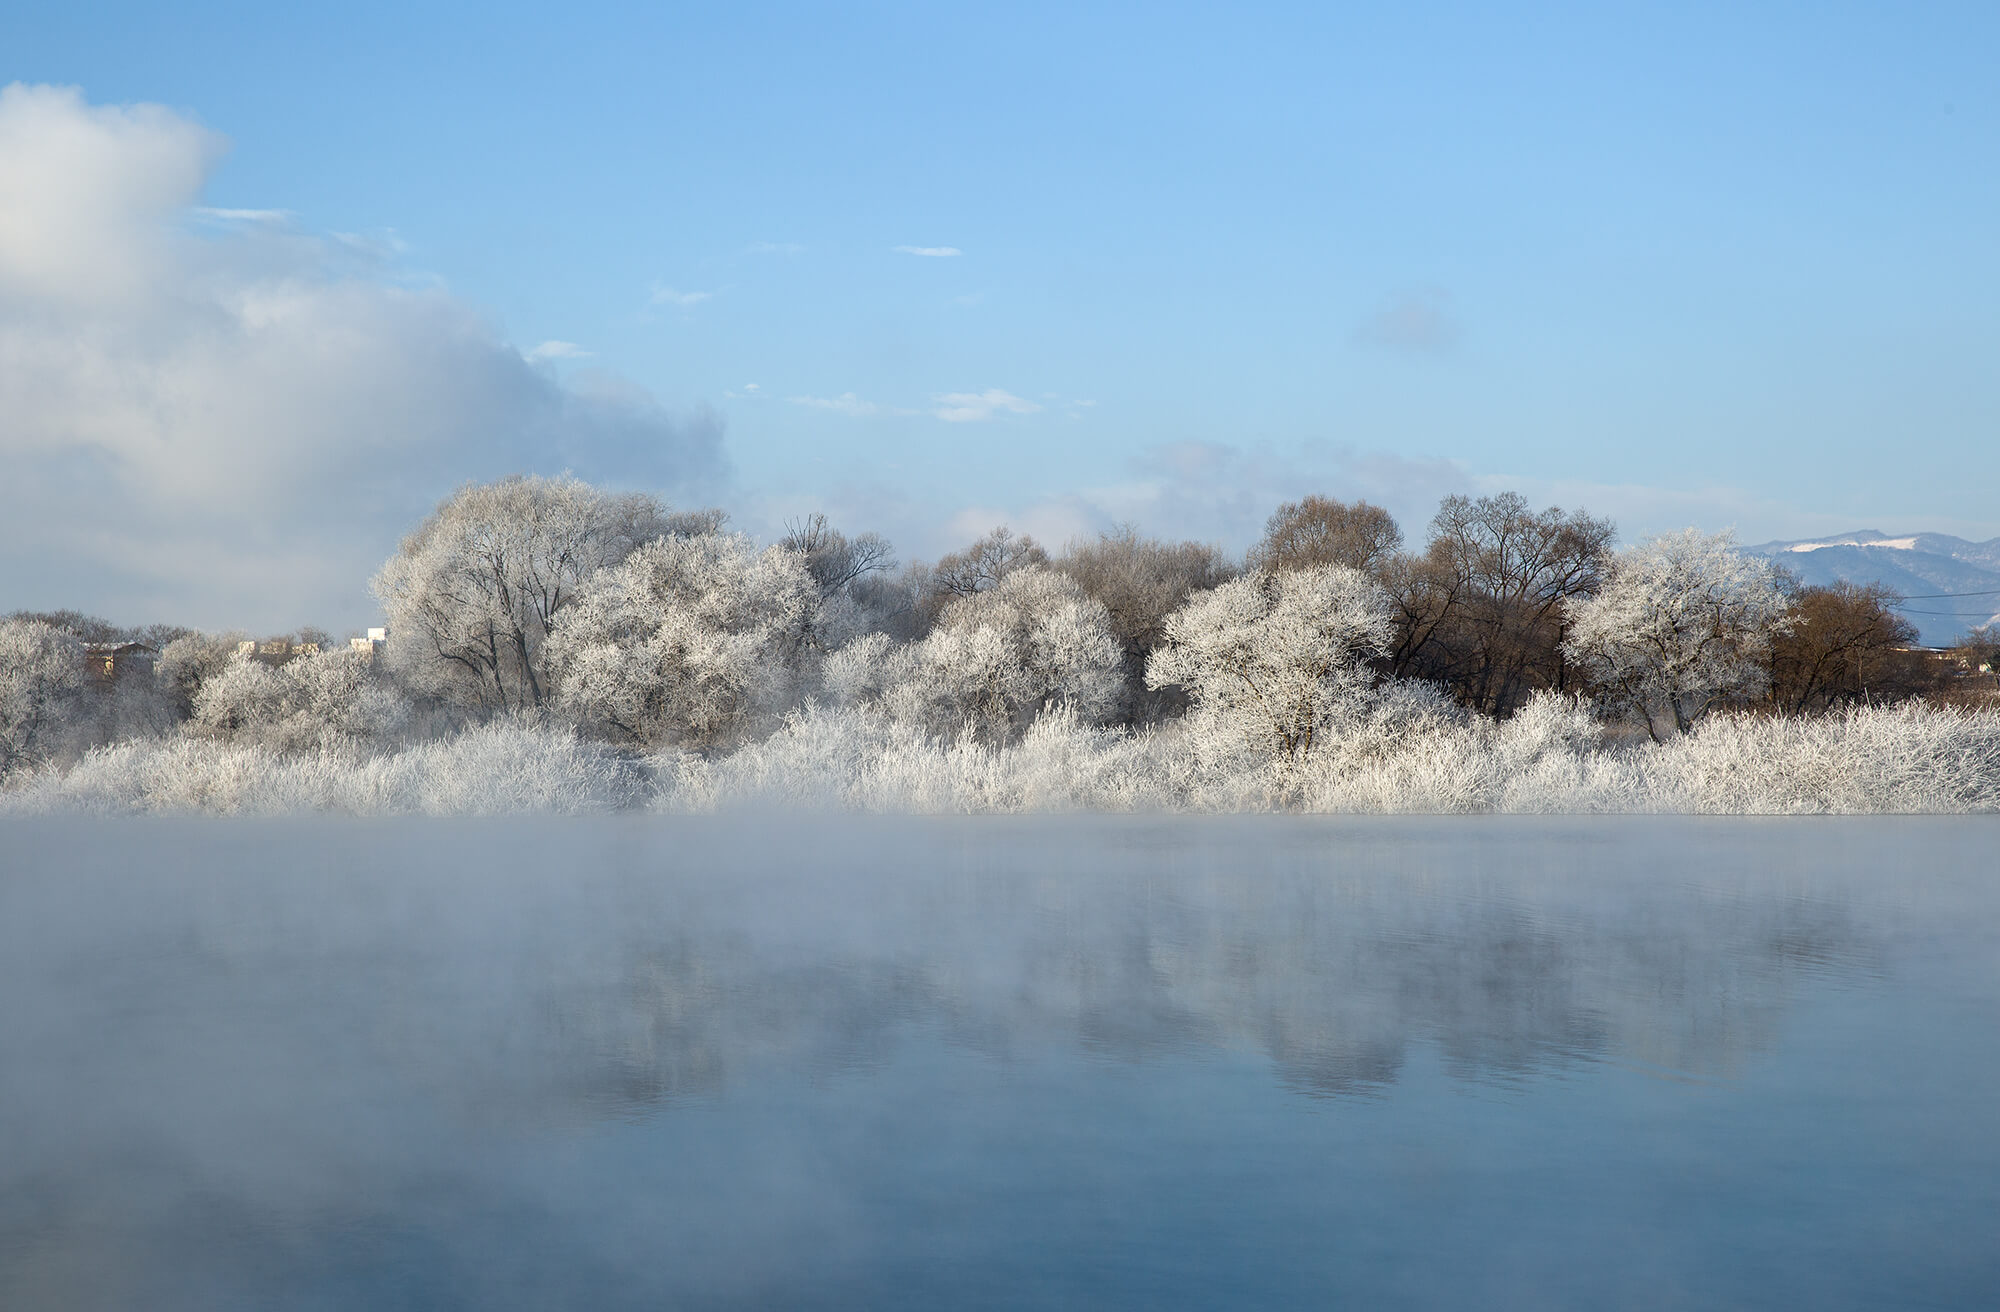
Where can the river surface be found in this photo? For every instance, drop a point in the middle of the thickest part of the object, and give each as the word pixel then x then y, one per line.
pixel 999 1063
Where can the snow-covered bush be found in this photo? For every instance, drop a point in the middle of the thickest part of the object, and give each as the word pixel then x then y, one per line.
pixel 688 641
pixel 1396 753
pixel 499 768
pixel 1911 758
pixel 998 658
pixel 856 759
pixel 1681 622
pixel 325 699
pixel 1271 659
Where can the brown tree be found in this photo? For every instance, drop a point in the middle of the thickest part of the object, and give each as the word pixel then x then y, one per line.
pixel 1846 646
pixel 1482 611
pixel 1140 581
pixel 832 558
pixel 1322 531
pixel 983 564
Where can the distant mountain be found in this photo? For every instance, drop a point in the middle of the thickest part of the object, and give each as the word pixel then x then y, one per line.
pixel 1920 566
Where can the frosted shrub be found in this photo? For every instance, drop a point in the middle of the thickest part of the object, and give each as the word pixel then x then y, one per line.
pixel 1409 750
pixel 1270 659
pixel 1912 758
pixel 499 768
pixel 1406 747
pixel 856 759
pixel 688 641
pixel 1000 657
pixel 329 699
pixel 858 672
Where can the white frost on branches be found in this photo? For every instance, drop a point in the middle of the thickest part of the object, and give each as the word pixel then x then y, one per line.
pixel 474 592
pixel 329 700
pixel 1272 660
pixel 688 640
pixel 998 658
pixel 41 683
pixel 1682 622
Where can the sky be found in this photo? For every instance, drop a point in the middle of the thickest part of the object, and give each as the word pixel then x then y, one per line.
pixel 274 279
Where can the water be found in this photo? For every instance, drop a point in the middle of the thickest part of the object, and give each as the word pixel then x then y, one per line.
pixel 1255 1062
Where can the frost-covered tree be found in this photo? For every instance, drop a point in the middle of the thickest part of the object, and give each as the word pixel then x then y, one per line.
pixel 1681 622
pixel 1271 660
pixel 999 657
pixel 688 640
pixel 328 699
pixel 41 690
pixel 474 591
pixel 187 663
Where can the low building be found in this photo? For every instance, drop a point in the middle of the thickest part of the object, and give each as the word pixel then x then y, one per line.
pixel 275 651
pixel 107 663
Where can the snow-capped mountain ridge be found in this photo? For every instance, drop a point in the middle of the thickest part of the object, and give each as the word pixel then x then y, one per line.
pixel 1933 572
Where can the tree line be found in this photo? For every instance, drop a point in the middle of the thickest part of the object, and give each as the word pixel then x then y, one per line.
pixel 654 628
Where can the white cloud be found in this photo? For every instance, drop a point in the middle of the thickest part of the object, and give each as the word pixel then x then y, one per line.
pixel 234 428
pixel 555 351
pixel 1213 492
pixel 934 252
pixel 213 215
pixel 973 407
pixel 668 296
pixel 847 403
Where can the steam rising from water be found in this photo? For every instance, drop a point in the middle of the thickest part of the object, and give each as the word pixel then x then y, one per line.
pixel 639 1060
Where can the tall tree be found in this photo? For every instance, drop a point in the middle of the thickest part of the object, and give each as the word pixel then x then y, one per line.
pixel 473 593
pixel 1484 610
pixel 1322 531
pixel 1681 622
pixel 41 690
pixel 1271 659
pixel 1845 646
pixel 1140 581
pixel 687 639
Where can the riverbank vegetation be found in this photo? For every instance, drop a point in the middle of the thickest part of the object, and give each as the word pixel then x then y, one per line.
pixel 551 646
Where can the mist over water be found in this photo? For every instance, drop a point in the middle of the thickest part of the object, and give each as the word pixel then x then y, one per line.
pixel 1255 1061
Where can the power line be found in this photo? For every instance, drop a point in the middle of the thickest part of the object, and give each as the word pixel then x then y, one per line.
pixel 1939 596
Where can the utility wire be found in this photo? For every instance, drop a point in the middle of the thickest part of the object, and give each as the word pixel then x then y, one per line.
pixel 1939 596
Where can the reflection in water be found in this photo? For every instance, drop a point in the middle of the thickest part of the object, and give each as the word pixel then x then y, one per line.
pixel 1330 971
pixel 327 1063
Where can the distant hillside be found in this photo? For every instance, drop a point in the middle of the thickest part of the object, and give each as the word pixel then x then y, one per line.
pixel 1920 566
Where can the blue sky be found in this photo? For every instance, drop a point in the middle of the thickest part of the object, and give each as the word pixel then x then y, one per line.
pixel 1719 265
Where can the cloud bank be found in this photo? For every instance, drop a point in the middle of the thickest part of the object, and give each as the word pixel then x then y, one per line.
pixel 215 417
